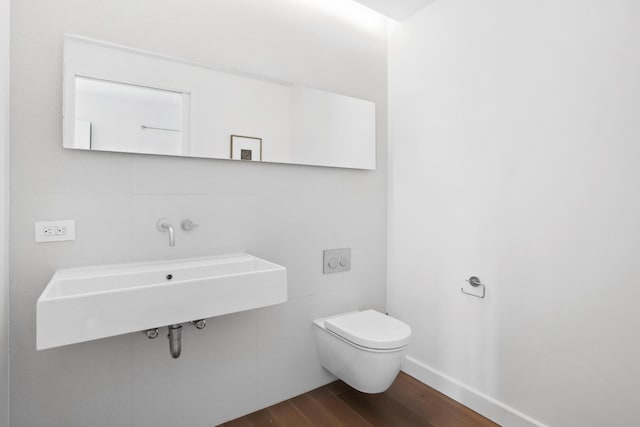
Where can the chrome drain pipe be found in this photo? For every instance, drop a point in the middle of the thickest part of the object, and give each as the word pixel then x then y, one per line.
pixel 175 340
pixel 175 336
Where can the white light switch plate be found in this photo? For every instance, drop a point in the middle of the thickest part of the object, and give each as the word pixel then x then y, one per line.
pixel 55 231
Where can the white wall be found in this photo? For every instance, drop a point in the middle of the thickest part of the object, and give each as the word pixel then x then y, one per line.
pixel 514 157
pixel 284 213
pixel 4 213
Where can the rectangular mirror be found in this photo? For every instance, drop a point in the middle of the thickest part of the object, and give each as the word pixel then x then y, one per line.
pixel 126 100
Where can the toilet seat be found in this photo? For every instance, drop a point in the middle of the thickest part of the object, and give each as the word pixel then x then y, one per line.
pixel 370 329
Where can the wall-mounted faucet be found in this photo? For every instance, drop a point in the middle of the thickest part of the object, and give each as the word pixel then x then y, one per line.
pixel 165 225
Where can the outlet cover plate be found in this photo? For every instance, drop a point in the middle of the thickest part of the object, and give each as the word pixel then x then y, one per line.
pixel 336 260
pixel 55 231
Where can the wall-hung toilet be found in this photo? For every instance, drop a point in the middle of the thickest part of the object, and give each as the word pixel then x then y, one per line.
pixel 362 348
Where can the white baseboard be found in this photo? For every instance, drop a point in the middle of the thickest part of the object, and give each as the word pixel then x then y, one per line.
pixel 479 402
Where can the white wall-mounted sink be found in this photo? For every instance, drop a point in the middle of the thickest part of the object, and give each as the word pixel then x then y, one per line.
pixel 87 303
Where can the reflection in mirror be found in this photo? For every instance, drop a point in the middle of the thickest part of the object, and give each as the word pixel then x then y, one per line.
pixel 246 148
pixel 122 99
pixel 112 116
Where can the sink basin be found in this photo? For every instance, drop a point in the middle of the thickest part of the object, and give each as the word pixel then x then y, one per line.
pixel 88 303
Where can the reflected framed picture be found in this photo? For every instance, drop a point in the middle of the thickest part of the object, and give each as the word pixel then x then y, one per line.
pixel 246 148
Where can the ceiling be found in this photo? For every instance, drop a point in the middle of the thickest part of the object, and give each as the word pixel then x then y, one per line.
pixel 396 9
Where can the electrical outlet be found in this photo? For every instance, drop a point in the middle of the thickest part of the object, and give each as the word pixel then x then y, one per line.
pixel 55 231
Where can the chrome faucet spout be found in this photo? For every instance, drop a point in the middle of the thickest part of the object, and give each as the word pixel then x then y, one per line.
pixel 165 225
pixel 172 236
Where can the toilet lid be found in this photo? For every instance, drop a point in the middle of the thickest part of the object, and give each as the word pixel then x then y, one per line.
pixel 370 329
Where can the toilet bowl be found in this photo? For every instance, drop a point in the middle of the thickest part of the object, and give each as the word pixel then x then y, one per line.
pixel 362 348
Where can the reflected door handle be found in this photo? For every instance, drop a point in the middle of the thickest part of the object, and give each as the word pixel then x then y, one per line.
pixel 165 129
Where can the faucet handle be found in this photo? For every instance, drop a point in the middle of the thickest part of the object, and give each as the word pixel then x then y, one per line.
pixel 188 225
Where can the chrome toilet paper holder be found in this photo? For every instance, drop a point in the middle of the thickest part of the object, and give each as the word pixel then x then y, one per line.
pixel 475 282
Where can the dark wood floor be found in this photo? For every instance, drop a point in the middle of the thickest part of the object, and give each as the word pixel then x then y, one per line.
pixel 407 403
